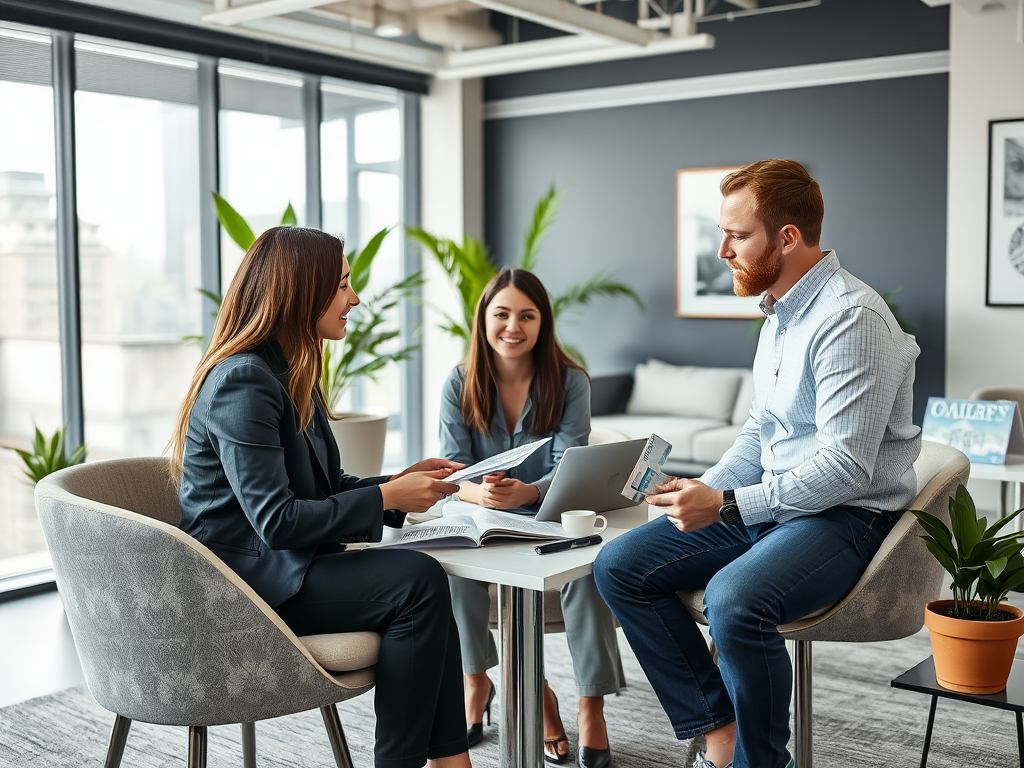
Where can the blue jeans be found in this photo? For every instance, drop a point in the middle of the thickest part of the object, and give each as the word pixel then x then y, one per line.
pixel 755 578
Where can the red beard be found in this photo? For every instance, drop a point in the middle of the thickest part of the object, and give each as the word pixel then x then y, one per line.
pixel 763 273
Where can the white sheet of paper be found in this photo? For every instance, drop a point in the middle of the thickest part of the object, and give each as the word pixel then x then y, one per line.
pixel 497 463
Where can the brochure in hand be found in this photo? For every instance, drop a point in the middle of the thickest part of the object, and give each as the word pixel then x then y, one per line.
pixel 648 470
pixel 470 525
pixel 497 463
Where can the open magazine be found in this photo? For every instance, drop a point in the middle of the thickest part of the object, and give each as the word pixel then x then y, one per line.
pixel 470 525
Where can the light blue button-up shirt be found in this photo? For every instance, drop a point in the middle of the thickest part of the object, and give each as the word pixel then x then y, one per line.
pixel 468 446
pixel 831 417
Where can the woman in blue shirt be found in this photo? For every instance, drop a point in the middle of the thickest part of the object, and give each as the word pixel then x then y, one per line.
pixel 517 386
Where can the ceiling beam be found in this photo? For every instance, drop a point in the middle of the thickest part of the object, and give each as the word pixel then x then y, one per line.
pixel 558 52
pixel 261 10
pixel 569 17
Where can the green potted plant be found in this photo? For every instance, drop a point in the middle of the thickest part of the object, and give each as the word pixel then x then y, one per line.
pixel 368 347
pixel 470 268
pixel 47 455
pixel 974 635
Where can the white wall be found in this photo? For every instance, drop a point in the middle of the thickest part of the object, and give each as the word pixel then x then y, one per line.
pixel 984 345
pixel 451 205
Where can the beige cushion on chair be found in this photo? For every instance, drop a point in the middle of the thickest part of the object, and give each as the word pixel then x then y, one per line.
pixel 343 652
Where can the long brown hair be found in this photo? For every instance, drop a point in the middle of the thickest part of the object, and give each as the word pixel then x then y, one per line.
pixel 550 363
pixel 285 282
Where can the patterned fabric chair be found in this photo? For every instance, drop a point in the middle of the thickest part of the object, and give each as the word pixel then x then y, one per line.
pixel 166 632
pixel 888 601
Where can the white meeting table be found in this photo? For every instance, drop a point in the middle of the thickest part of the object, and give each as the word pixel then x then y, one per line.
pixel 1010 472
pixel 522 577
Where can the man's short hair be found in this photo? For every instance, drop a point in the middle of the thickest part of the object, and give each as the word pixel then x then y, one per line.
pixel 784 193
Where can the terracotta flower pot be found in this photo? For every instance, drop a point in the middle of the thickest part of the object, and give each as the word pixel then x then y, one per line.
pixel 972 656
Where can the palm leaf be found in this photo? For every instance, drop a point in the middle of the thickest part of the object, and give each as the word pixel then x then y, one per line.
pixel 600 285
pixel 236 226
pixel 360 263
pixel 288 218
pixel 544 214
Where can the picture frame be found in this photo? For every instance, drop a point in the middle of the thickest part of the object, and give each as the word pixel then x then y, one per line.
pixel 1004 274
pixel 703 281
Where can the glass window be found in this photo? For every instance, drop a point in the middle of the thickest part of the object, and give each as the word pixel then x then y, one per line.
pixel 262 152
pixel 138 213
pixel 378 138
pixel 30 365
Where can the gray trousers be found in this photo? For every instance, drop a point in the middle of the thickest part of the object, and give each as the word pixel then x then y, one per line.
pixel 589 630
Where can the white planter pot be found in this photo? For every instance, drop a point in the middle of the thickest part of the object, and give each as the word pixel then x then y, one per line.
pixel 361 438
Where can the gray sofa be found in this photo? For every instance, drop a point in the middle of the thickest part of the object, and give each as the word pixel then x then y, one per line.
pixel 699 410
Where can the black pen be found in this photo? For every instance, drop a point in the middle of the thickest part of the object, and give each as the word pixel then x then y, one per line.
pixel 560 546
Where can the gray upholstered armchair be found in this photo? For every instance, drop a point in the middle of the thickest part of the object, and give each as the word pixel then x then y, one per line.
pixel 888 601
pixel 166 632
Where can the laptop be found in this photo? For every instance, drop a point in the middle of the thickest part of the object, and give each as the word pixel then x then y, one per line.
pixel 591 477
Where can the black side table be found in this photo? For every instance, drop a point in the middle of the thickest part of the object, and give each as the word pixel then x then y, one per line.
pixel 922 679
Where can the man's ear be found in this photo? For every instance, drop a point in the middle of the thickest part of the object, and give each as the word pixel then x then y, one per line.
pixel 790 236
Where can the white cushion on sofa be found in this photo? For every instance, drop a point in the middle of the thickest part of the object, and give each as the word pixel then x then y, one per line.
pixel 678 430
pixel 684 390
pixel 741 412
pixel 709 445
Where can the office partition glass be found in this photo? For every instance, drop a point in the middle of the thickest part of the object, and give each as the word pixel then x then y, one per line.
pixel 30 365
pixel 137 148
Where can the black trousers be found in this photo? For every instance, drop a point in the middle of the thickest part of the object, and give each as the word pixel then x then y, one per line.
pixel 404 596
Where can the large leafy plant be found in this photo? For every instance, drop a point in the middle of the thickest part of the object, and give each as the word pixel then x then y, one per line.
pixel 48 454
pixel 470 268
pixel 984 565
pixel 368 345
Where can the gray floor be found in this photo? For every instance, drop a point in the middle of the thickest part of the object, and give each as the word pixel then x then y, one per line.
pixel 37 654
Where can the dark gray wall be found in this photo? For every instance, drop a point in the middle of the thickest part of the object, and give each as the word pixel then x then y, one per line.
pixel 836 30
pixel 877 148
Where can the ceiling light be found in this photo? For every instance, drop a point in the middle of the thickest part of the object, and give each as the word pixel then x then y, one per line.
pixel 389 30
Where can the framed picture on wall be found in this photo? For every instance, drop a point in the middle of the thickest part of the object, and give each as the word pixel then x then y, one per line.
pixel 1005 286
pixel 704 281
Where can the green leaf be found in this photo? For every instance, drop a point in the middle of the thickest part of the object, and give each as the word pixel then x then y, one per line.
pixel 288 218
pixel 936 528
pixel 964 519
pixel 996 567
pixel 581 294
pixel 360 263
pixel 544 214
pixel 236 226
pixel 941 555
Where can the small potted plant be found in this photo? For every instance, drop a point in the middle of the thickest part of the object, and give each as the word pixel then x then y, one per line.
pixel 47 455
pixel 974 635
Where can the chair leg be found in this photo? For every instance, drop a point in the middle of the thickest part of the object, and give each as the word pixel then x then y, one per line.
pixel 197 746
pixel 248 745
pixel 337 736
pixel 803 684
pixel 118 738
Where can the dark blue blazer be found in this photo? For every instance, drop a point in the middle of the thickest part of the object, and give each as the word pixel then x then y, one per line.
pixel 258 490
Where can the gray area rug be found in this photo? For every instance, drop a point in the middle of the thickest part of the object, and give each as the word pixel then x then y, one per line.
pixel 858 721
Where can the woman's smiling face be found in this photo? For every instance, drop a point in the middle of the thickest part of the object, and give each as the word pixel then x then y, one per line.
pixel 333 323
pixel 512 323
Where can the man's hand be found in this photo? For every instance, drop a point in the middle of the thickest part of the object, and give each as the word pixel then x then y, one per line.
pixel 429 465
pixel 500 492
pixel 689 504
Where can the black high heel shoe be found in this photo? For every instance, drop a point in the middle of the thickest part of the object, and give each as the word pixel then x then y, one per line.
pixel 475 732
pixel 553 755
pixel 589 757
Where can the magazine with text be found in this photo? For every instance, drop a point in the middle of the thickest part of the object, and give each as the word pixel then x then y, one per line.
pixel 470 525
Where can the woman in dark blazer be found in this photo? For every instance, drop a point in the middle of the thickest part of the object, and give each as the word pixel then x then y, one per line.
pixel 260 484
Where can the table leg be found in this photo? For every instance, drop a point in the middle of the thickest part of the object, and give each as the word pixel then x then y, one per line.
pixel 521 630
pixel 928 733
pixel 1020 740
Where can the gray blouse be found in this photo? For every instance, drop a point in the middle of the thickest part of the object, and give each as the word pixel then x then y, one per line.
pixel 462 444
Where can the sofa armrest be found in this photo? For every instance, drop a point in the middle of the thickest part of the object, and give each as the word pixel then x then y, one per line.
pixel 609 394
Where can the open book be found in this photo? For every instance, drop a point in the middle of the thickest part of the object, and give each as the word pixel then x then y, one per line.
pixel 470 525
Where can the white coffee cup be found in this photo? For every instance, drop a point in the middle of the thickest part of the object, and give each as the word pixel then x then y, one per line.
pixel 582 522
